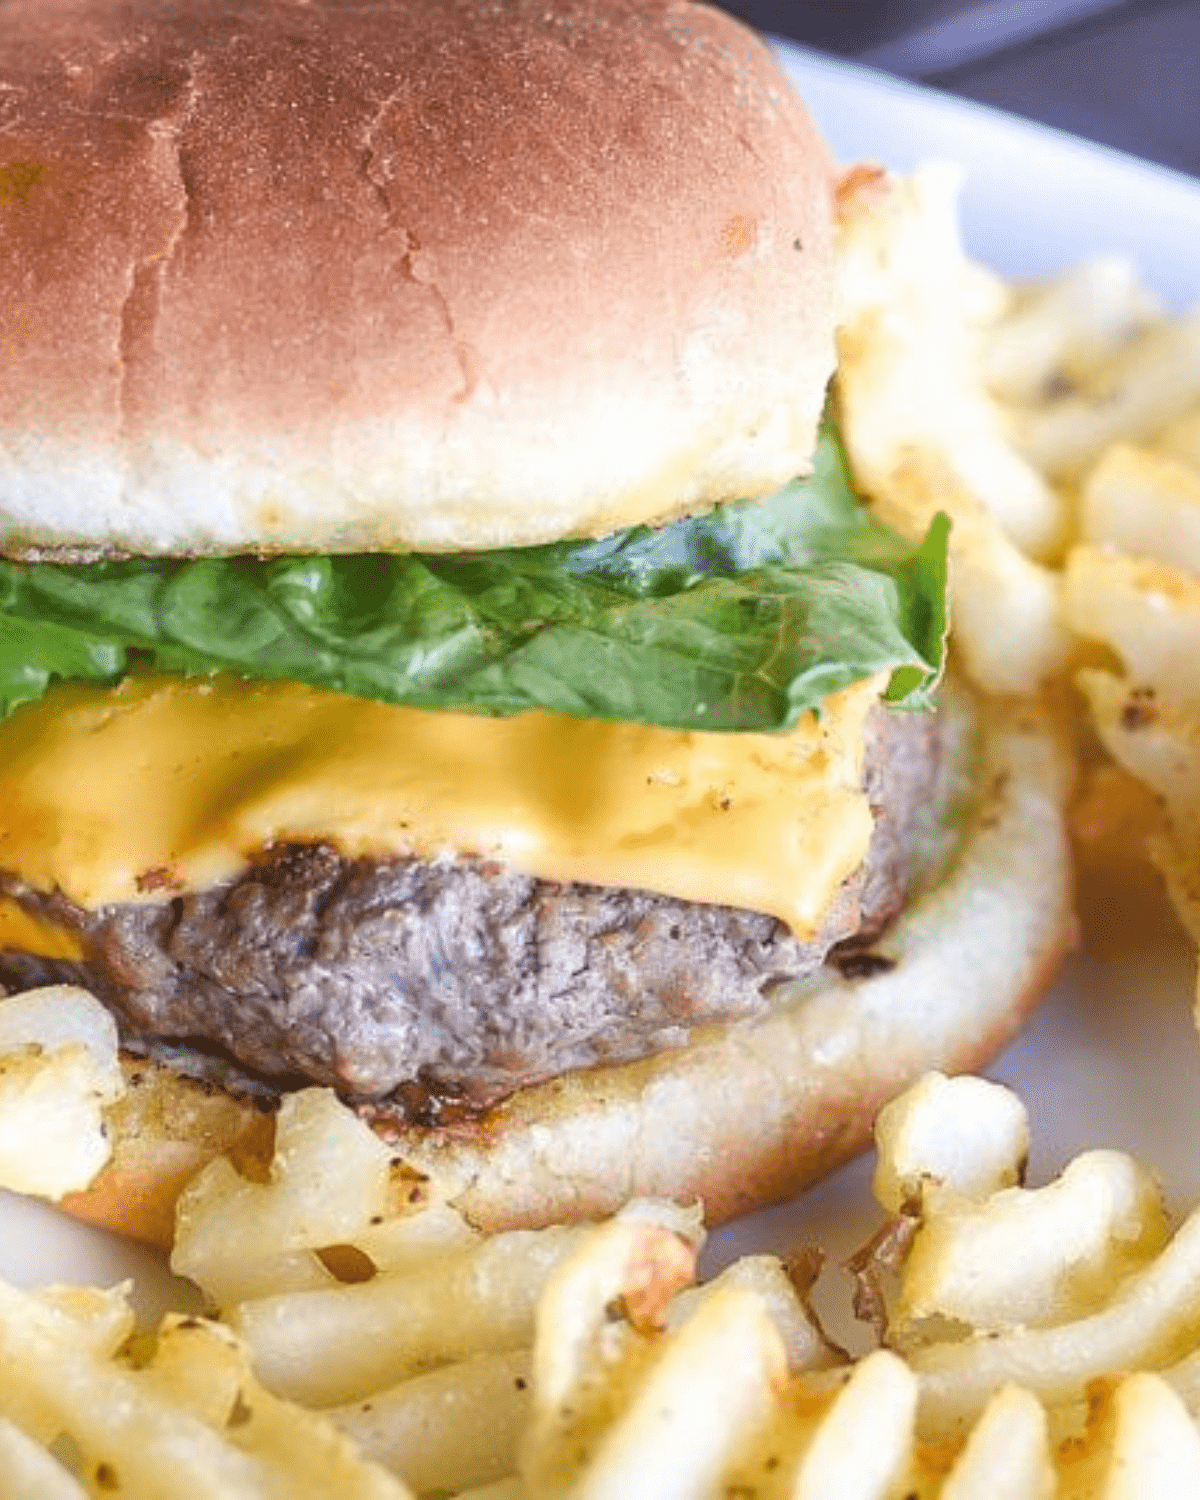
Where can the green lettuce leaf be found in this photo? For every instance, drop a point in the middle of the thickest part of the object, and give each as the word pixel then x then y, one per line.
pixel 743 618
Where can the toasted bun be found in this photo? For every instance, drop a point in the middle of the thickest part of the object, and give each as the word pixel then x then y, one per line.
pixel 300 274
pixel 745 1115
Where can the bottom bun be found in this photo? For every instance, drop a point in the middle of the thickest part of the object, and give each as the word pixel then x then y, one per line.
pixel 743 1115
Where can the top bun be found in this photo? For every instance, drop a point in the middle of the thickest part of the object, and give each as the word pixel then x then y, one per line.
pixel 353 274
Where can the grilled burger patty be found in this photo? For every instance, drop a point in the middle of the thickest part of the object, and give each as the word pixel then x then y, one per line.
pixel 455 977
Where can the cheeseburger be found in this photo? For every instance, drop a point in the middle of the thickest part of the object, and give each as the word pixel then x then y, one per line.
pixel 442 653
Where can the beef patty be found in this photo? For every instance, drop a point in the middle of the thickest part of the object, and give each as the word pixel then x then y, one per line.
pixel 456 978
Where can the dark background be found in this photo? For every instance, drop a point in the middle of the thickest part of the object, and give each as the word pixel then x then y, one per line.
pixel 1124 72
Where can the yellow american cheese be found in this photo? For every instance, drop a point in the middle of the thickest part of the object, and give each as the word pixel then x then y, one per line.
pixel 166 784
pixel 25 933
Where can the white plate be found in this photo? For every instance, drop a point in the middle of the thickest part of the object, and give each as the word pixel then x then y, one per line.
pixel 1112 1058
pixel 1036 199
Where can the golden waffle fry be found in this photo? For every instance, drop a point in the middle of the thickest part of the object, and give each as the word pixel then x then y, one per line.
pixel 58 1069
pixel 964 1135
pixel 1052 334
pixel 1129 397
pixel 924 435
pixel 204 1430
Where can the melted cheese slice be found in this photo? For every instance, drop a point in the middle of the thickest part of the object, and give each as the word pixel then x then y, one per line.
pixel 23 933
pixel 165 784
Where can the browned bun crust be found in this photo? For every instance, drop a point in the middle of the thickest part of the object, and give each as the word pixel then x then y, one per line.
pixel 303 274
pixel 745 1115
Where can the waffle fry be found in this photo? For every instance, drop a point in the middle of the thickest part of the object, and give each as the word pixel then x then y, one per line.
pixel 1051 1253
pixel 961 1135
pixel 333 1185
pixel 58 1069
pixel 1129 397
pixel 1143 503
pixel 924 435
pixel 1043 1341
pixel 198 1427
pixel 1052 334
pixel 1117 424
